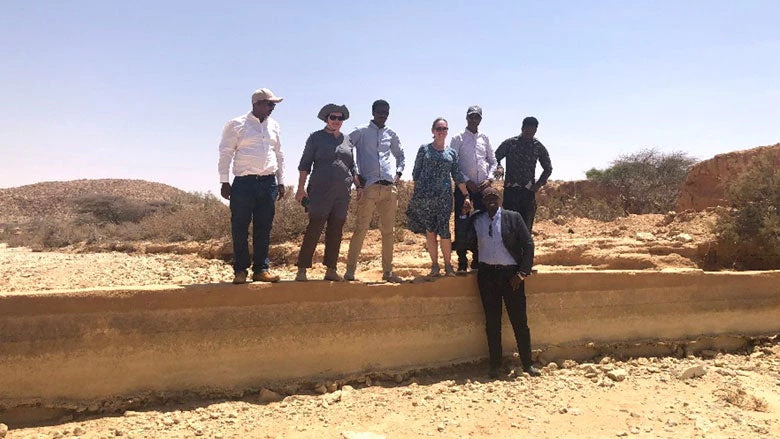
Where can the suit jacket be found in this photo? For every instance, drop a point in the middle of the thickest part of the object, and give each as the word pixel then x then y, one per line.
pixel 514 234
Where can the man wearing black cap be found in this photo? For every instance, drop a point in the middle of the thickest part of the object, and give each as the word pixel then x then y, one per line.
pixel 253 143
pixel 477 164
pixel 522 153
pixel 506 254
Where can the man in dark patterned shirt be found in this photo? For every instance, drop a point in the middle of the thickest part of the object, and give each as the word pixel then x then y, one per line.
pixel 520 186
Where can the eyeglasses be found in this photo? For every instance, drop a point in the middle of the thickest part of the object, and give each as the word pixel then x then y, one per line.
pixel 334 117
pixel 268 103
pixel 490 230
pixel 441 128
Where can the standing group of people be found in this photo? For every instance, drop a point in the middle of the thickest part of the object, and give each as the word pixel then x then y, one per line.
pixel 371 159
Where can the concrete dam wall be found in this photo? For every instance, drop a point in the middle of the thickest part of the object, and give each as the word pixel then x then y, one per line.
pixel 60 348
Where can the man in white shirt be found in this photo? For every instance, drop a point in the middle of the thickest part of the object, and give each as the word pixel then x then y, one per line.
pixel 252 142
pixel 477 164
pixel 506 252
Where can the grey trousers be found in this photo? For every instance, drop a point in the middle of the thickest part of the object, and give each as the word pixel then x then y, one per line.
pixel 330 211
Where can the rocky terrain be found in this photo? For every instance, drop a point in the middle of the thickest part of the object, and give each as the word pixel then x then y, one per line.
pixel 641 242
pixel 713 396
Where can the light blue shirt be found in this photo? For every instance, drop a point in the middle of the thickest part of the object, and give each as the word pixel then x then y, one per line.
pixel 373 147
pixel 491 248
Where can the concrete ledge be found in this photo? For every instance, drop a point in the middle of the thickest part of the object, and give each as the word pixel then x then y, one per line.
pixel 93 345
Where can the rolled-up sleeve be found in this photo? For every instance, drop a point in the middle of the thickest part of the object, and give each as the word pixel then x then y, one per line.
pixel 307 158
pixel 398 153
pixel 491 158
pixel 227 149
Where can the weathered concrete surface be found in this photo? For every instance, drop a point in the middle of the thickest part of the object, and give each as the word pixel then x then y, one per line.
pixel 76 346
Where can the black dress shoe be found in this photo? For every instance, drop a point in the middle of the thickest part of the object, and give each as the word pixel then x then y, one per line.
pixel 532 371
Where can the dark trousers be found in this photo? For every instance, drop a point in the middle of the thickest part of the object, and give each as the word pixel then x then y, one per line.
pixel 522 201
pixel 252 200
pixel 332 212
pixel 493 287
pixel 460 228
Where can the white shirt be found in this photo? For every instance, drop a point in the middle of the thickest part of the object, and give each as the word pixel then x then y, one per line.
pixel 475 156
pixel 254 147
pixel 491 248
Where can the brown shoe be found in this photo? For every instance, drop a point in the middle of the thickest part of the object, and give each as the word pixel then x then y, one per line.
pixel 332 275
pixel 265 276
pixel 240 278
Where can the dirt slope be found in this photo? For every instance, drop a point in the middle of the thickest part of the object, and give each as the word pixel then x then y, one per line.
pixel 56 198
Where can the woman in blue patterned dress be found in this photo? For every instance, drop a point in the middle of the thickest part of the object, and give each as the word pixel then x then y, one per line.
pixel 431 204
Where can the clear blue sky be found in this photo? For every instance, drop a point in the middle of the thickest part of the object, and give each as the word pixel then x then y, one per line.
pixel 106 89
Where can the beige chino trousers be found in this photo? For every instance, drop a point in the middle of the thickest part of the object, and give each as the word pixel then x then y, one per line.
pixel 383 199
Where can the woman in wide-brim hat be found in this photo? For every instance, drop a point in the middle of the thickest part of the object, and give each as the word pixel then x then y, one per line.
pixel 326 198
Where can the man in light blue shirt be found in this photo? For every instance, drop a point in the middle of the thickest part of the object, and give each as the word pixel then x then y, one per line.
pixel 376 147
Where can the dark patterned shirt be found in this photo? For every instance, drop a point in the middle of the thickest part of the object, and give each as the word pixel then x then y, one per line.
pixel 521 157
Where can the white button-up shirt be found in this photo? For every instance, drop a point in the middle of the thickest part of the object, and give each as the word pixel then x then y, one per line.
pixel 491 248
pixel 475 156
pixel 254 147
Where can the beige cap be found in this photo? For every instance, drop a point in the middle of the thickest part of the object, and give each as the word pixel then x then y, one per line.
pixel 265 94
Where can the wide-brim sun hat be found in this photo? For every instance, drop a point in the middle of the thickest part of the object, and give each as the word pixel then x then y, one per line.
pixel 332 108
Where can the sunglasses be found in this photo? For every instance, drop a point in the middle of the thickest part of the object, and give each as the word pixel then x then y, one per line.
pixel 334 117
pixel 441 128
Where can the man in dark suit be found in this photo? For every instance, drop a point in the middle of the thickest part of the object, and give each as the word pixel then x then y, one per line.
pixel 506 253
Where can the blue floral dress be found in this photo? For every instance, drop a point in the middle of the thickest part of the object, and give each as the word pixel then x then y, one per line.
pixel 431 204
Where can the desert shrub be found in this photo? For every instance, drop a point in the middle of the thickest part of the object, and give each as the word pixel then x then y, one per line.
pixel 648 181
pixel 190 217
pixel 116 210
pixel 749 234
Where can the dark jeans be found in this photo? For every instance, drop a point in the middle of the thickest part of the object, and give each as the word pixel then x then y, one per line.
pixel 493 287
pixel 332 212
pixel 460 228
pixel 522 201
pixel 252 199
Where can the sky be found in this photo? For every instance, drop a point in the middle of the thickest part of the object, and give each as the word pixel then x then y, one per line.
pixel 142 89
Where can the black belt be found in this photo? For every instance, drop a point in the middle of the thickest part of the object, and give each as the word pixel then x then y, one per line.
pixel 257 177
pixel 384 182
pixel 497 267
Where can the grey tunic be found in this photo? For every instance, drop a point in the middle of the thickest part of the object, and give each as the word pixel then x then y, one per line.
pixel 331 179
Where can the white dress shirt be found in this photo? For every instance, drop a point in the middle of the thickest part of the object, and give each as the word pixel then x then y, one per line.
pixel 475 156
pixel 254 147
pixel 491 248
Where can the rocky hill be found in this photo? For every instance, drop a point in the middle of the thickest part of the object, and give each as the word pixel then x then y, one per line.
pixel 57 199
pixel 707 182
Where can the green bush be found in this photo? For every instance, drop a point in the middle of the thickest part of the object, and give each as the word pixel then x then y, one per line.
pixel 648 181
pixel 749 234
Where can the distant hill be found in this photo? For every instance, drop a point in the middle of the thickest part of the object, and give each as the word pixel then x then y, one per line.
pixel 57 199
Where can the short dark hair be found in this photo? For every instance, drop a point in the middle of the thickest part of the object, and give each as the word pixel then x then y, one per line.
pixel 530 121
pixel 379 103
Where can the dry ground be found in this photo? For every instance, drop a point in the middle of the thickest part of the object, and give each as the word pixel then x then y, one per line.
pixel 639 242
pixel 737 397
